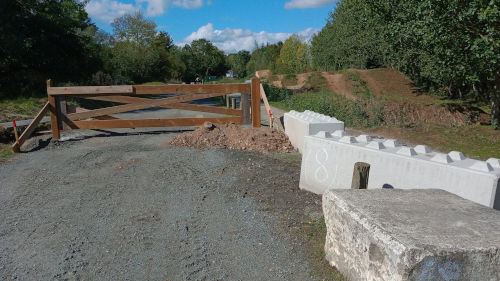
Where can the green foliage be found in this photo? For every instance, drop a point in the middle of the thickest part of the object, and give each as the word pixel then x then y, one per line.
pixel 41 39
pixel 264 57
pixel 293 58
pixel 276 93
pixel 140 54
pixel 352 38
pixel 238 63
pixel 447 46
pixel 202 59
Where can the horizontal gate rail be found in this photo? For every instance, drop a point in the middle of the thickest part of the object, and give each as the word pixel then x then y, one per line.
pixel 184 106
pixel 138 123
pixel 128 96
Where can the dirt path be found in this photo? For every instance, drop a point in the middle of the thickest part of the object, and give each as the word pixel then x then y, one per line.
pixel 126 205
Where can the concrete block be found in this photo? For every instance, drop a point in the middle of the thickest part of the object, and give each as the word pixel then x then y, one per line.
pixel 328 163
pixel 308 123
pixel 417 235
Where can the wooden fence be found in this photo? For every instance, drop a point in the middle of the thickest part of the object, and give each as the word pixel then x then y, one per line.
pixel 137 97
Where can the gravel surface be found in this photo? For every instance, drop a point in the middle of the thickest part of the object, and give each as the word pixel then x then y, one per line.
pixel 126 205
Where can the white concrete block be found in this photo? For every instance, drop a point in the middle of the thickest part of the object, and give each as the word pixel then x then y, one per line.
pixel 308 123
pixel 422 149
pixel 328 163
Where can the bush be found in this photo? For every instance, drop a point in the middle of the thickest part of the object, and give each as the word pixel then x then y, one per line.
pixel 364 113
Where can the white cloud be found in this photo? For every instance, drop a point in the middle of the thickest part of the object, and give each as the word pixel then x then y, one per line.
pixel 108 10
pixel 233 40
pixel 302 4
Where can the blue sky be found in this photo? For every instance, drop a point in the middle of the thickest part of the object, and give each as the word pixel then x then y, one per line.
pixel 232 25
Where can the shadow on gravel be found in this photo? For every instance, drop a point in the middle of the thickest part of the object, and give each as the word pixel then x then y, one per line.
pixel 43 143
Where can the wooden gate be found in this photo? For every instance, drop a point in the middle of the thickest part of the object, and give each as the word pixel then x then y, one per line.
pixel 137 97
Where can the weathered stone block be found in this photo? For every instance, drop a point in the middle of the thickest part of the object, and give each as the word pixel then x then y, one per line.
pixel 417 235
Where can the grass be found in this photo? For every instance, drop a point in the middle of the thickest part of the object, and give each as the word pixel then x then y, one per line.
pixel 20 108
pixel 478 141
pixel 475 141
pixel 315 81
pixel 226 80
pixel 5 152
pixel 315 231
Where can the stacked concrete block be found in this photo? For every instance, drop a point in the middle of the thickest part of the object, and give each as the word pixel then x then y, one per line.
pixel 301 124
pixel 328 162
pixel 431 235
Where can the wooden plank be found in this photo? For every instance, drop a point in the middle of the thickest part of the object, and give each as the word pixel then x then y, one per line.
pixel 256 103
pixel 140 105
pixel 191 89
pixel 360 175
pixel 90 90
pixel 54 123
pixel 31 127
pixel 139 123
pixel 266 104
pixel 183 106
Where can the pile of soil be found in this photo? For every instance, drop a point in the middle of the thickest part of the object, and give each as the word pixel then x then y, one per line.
pixel 232 136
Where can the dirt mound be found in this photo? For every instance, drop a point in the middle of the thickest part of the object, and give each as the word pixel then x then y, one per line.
pixel 231 136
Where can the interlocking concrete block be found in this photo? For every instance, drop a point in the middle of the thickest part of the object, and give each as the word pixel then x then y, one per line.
pixel 307 123
pixel 417 235
pixel 328 163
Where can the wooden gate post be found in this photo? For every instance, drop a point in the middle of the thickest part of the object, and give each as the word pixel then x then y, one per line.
pixel 54 118
pixel 256 102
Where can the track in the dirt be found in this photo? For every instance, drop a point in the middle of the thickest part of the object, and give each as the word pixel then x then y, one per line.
pixel 133 207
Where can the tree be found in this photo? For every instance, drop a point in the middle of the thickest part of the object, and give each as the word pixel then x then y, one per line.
pixel 140 53
pixel 352 37
pixel 264 57
pixel 293 56
pixel 451 45
pixel 238 62
pixel 41 39
pixel 202 59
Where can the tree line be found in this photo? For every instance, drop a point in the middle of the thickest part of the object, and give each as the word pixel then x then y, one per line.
pixel 449 47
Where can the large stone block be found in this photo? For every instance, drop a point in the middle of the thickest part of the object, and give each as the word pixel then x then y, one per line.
pixel 298 125
pixel 418 235
pixel 328 162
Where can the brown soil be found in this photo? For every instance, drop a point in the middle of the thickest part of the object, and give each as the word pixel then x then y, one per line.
pixel 301 81
pixel 339 84
pixel 231 136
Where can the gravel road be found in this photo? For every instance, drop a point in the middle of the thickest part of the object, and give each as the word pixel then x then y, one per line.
pixel 126 205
